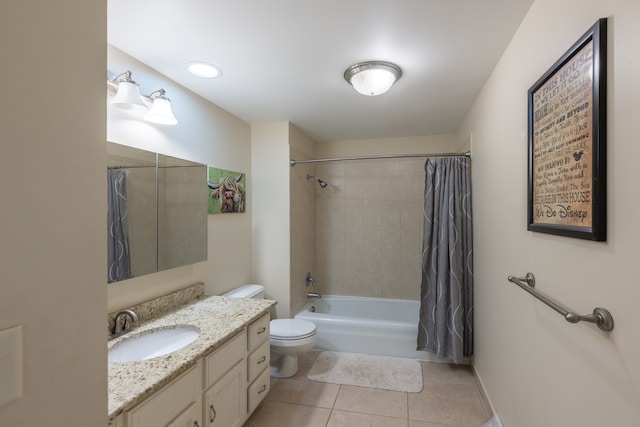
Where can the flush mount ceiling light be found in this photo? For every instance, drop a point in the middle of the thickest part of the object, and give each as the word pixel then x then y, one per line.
pixel 204 70
pixel 372 78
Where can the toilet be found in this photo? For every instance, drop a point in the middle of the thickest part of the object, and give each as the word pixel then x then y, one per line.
pixel 287 337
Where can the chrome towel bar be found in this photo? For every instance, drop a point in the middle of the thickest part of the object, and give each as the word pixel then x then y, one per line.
pixel 600 316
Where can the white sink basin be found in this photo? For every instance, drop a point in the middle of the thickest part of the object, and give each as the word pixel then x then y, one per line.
pixel 155 343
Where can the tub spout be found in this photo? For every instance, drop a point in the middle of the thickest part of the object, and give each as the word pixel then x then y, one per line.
pixel 313 295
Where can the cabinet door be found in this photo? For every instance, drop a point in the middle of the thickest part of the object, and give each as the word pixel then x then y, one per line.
pixel 189 418
pixel 168 403
pixel 225 403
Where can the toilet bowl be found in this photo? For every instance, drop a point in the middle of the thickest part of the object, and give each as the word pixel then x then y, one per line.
pixel 287 337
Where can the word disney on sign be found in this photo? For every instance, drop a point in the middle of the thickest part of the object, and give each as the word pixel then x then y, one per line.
pixel 567 142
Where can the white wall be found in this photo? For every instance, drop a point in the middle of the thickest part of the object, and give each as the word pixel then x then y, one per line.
pixel 539 370
pixel 271 212
pixel 52 181
pixel 207 134
pixel 382 146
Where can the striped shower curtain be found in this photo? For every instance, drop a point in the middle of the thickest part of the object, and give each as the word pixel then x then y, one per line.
pixel 446 306
pixel 119 259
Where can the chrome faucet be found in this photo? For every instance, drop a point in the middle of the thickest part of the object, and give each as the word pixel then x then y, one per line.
pixel 123 322
pixel 310 281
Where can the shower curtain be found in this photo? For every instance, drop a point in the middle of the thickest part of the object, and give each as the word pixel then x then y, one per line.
pixel 446 307
pixel 119 260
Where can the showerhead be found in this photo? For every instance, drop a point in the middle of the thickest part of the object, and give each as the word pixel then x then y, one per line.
pixel 321 182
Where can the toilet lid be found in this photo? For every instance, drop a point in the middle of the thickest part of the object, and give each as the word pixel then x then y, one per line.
pixel 291 328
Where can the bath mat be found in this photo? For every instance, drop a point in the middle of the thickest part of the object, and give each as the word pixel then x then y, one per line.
pixel 363 370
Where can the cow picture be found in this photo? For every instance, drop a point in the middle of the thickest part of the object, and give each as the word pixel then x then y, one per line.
pixel 227 192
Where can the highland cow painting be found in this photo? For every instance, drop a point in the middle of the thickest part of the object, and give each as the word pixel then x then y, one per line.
pixel 227 191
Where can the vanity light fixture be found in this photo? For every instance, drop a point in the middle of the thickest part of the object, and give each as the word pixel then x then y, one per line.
pixel 204 70
pixel 128 97
pixel 372 78
pixel 160 111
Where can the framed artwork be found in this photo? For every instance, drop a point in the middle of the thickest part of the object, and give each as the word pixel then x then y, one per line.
pixel 227 191
pixel 567 142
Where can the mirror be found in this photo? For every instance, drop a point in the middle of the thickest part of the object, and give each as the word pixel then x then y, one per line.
pixel 157 212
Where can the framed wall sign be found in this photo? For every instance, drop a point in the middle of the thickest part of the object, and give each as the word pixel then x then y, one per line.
pixel 567 142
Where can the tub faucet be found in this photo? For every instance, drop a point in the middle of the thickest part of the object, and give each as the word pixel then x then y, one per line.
pixel 123 322
pixel 313 295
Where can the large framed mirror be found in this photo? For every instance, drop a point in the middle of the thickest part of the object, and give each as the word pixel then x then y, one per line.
pixel 156 212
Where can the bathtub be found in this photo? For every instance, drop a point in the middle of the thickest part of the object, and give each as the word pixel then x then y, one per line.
pixel 381 326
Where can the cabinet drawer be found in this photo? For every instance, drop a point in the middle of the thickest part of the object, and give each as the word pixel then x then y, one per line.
pixel 258 390
pixel 258 360
pixel 220 361
pixel 258 332
pixel 169 402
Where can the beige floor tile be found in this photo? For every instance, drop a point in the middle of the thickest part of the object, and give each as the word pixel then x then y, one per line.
pixel 277 414
pixel 354 419
pixel 304 392
pixel 447 403
pixel 372 401
pixel 305 360
pixel 414 423
pixel 434 372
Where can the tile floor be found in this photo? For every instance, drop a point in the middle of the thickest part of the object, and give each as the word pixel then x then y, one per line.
pixel 450 398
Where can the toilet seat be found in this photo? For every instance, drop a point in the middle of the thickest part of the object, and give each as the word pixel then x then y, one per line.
pixel 291 329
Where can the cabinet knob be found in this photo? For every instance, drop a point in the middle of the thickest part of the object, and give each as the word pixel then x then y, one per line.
pixel 212 413
pixel 262 331
pixel 262 389
pixel 196 424
pixel 262 360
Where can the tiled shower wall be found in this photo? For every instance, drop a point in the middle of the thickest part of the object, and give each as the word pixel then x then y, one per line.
pixel 369 223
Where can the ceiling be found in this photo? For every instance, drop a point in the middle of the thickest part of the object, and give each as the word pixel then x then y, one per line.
pixel 283 60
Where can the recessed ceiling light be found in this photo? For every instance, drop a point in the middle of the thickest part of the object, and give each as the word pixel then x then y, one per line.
pixel 204 69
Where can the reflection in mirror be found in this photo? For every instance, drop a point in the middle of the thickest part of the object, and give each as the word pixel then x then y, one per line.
pixel 157 212
pixel 131 212
pixel 182 212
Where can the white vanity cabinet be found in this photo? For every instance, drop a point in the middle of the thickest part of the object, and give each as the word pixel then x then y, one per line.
pixel 221 390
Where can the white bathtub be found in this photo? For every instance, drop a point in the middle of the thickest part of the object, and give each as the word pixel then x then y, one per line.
pixel 387 327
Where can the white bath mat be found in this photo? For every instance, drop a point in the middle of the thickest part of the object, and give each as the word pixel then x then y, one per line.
pixel 363 370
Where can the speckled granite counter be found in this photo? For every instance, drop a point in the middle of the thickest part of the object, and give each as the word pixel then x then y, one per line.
pixel 218 318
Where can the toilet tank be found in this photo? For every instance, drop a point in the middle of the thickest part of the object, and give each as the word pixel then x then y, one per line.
pixel 246 291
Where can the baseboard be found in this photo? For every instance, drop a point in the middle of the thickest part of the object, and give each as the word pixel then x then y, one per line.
pixel 485 399
pixel 494 422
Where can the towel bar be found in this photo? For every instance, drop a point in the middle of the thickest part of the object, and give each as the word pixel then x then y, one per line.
pixel 600 316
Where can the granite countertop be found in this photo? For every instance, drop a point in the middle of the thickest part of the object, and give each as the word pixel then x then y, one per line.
pixel 218 318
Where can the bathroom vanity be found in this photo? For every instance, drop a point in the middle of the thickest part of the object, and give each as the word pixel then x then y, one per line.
pixel 217 380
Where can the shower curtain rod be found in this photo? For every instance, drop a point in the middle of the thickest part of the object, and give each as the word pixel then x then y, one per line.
pixel 389 156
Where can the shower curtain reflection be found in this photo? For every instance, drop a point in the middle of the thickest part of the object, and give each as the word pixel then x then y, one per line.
pixel 119 258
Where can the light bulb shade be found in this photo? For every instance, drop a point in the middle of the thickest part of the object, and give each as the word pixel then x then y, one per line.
pixel 372 78
pixel 161 113
pixel 128 97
